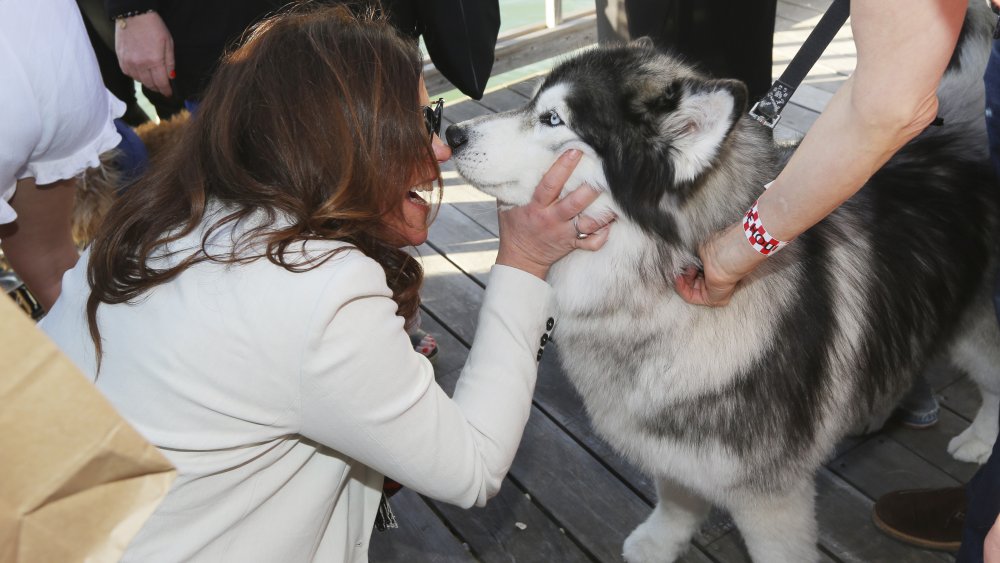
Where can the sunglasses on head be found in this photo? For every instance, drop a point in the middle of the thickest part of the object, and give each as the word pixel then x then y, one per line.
pixel 432 117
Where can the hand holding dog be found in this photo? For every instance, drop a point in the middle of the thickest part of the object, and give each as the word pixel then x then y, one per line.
pixel 727 258
pixel 145 51
pixel 534 236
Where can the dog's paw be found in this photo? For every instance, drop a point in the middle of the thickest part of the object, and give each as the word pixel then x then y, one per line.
pixel 648 544
pixel 968 446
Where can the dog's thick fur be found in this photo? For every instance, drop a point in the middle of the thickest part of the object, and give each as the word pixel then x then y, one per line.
pixel 739 406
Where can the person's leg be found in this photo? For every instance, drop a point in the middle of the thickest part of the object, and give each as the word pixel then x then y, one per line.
pixel 983 497
pixel 991 79
pixel 725 39
pixel 919 407
pixel 39 244
pixel 983 492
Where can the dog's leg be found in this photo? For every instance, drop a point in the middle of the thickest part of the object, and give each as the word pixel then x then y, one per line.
pixel 665 535
pixel 976 442
pixel 977 351
pixel 779 528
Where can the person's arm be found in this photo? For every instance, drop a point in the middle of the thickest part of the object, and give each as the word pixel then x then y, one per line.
pixel 368 395
pixel 902 52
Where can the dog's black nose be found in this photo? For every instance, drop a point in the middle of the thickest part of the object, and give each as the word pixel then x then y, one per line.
pixel 456 136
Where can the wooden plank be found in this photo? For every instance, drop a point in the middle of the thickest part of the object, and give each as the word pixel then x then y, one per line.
pixel 479 207
pixel 846 530
pixel 718 525
pixel 528 48
pixel 731 549
pixel 449 295
pixel 797 118
pixel 560 400
pixel 492 533
pixel 593 505
pixel 511 527
pixel 941 373
pixel 816 5
pixel 470 246
pixel 569 36
pixel 528 86
pixel 811 97
pixel 421 536
pixel 881 465
pixel 962 397
pixel 503 100
pixel 456 113
pixel 932 443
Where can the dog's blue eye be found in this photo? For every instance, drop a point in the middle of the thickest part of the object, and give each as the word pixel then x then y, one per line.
pixel 552 119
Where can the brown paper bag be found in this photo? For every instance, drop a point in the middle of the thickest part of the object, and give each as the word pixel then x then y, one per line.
pixel 76 481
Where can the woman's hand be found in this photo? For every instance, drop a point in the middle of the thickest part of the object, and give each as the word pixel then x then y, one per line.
pixel 727 258
pixel 535 236
pixel 145 51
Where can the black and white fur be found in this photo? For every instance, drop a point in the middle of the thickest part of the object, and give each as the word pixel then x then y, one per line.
pixel 739 406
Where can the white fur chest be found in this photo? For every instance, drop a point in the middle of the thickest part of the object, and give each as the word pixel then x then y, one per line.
pixel 632 347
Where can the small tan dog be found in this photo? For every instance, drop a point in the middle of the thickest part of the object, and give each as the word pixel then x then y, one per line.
pixel 98 187
pixel 95 195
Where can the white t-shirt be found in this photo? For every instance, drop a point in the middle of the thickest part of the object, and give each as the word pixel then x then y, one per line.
pixel 56 116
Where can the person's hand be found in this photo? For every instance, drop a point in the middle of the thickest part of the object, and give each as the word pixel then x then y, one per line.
pixel 991 547
pixel 727 258
pixel 145 51
pixel 535 236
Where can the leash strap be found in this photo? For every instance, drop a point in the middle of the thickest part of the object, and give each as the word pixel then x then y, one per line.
pixel 767 111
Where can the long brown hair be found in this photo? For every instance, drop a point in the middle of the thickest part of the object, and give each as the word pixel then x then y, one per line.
pixel 314 120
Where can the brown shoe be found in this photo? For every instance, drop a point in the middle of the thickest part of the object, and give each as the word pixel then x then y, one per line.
pixel 928 518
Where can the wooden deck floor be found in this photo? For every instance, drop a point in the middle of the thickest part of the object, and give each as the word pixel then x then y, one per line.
pixel 568 497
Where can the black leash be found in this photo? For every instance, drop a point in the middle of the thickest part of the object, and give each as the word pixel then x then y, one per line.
pixel 767 111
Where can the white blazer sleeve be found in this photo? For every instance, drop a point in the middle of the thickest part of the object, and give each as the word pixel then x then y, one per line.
pixel 368 395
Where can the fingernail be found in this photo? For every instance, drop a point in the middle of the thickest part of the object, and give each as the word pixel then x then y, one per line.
pixel 574 154
pixel 173 73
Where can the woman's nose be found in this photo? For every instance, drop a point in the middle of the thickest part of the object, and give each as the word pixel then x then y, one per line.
pixel 442 152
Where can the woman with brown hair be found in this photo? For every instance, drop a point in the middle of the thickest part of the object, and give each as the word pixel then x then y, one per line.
pixel 244 305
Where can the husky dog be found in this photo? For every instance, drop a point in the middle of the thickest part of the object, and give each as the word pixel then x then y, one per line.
pixel 739 406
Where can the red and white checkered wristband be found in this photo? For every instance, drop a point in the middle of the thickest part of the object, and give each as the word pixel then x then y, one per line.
pixel 758 236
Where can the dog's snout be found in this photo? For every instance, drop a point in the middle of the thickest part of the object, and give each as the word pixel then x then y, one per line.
pixel 456 136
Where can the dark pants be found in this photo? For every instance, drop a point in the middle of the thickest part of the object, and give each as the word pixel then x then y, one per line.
pixel 983 490
pixel 726 39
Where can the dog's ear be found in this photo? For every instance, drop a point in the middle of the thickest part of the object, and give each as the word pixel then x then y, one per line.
pixel 644 42
pixel 738 90
pixel 704 114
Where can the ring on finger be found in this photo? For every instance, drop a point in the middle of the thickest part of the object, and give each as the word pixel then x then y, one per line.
pixel 579 234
